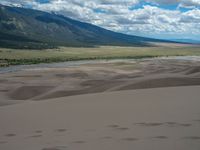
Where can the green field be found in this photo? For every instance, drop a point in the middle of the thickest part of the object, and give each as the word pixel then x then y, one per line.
pixel 17 57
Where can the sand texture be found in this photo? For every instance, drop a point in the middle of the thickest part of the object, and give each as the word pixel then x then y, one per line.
pixel 149 119
pixel 54 82
pixel 148 104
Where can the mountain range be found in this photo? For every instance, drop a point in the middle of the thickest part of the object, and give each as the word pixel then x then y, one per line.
pixel 186 41
pixel 34 29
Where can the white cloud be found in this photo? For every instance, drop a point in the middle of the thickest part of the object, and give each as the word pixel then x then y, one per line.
pixel 180 3
pixel 116 15
pixel 192 16
pixel 163 2
pixel 189 3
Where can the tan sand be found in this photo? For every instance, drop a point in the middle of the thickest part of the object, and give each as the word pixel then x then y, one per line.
pixel 54 82
pixel 148 119
pixel 48 116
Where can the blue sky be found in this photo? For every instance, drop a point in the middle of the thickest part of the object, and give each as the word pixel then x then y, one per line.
pixel 167 19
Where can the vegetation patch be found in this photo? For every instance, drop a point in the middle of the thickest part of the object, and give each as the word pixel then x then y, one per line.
pixel 23 57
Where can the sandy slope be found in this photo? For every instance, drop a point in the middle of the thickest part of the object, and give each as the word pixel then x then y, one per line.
pixel 150 119
pixel 51 114
pixel 54 82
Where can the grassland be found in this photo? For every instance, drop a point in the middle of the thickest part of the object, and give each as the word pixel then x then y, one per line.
pixel 17 57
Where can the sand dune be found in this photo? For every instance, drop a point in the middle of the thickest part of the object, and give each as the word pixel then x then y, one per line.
pixel 55 82
pixel 150 119
pixel 109 105
pixel 162 82
pixel 27 92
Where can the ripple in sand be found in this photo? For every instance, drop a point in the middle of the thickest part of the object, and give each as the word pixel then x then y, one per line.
pixel 169 124
pixel 38 131
pixel 51 148
pixel 10 135
pixel 61 130
pixel 73 75
pixel 56 148
pixel 106 137
pixel 152 124
pixel 122 129
pixel 113 126
pixel 117 127
pixel 160 137
pixel 198 120
pixel 3 142
pixel 175 124
pixel 4 90
pixel 129 139
pixel 27 76
pixel 27 92
pixel 185 124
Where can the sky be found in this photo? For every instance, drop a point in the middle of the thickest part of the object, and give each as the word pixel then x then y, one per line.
pixel 165 19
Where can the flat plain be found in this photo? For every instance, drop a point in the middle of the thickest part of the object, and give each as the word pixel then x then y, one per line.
pixel 62 54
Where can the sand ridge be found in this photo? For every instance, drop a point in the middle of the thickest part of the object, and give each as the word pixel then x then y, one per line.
pixel 150 104
pixel 49 83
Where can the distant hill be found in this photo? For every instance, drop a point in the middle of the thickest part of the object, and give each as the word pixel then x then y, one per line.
pixel 28 28
pixel 191 41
